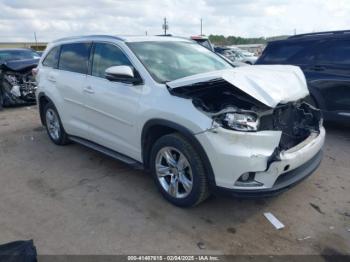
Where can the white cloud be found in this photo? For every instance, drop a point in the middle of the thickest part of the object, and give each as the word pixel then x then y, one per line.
pixel 54 19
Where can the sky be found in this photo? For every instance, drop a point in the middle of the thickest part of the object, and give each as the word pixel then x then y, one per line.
pixel 52 19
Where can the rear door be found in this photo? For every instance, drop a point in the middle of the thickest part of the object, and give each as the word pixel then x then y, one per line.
pixel 112 107
pixel 331 75
pixel 70 83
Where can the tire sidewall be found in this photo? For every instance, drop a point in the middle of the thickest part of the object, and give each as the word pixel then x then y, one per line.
pixel 196 167
pixel 1 99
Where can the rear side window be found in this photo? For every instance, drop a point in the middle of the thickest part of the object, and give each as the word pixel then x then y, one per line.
pixel 75 57
pixel 283 53
pixel 107 55
pixel 335 52
pixel 51 60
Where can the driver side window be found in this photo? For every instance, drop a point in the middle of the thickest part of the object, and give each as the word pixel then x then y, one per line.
pixel 107 55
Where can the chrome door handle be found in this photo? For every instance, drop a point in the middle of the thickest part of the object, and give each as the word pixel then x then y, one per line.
pixel 89 90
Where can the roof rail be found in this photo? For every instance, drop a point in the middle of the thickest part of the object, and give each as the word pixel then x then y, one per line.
pixel 342 32
pixel 87 36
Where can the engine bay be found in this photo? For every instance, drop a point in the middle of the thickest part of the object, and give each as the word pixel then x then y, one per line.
pixel 17 87
pixel 296 120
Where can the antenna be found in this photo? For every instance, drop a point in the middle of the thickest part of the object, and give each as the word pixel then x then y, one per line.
pixel 201 27
pixel 165 25
pixel 36 41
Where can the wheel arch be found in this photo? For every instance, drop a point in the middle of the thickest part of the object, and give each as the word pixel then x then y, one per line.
pixel 317 96
pixel 156 128
pixel 43 100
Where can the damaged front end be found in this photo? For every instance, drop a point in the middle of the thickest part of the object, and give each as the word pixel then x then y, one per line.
pixel 17 83
pixel 264 136
pixel 232 108
pixel 296 120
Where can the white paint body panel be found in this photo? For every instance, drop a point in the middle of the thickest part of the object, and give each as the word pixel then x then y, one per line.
pixel 233 153
pixel 270 85
pixel 112 111
pixel 113 114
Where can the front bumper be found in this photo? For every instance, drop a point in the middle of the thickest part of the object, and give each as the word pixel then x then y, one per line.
pixel 233 153
pixel 283 183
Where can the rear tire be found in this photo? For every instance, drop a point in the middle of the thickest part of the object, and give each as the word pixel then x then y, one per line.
pixel 54 126
pixel 178 171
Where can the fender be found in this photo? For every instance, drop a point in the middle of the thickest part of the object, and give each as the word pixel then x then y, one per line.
pixel 317 96
pixel 40 95
pixel 183 131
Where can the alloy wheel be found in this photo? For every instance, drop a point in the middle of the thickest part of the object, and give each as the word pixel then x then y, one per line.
pixel 174 172
pixel 53 124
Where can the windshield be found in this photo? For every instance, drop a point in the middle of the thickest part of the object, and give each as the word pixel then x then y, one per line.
pixel 167 61
pixel 18 55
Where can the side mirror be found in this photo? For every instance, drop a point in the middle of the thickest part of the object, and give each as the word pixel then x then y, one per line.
pixel 123 74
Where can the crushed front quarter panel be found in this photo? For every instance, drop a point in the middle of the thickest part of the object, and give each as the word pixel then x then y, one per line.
pixel 233 153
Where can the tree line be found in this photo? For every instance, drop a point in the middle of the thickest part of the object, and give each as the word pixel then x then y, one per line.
pixel 237 40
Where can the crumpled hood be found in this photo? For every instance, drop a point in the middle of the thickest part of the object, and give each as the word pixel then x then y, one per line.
pixel 270 84
pixel 20 65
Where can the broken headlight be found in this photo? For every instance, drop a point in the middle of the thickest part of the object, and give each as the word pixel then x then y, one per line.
pixel 240 121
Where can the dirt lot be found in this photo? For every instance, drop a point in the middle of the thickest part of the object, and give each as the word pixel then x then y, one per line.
pixel 72 200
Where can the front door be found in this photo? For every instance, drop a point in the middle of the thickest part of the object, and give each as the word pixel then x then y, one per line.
pixel 112 107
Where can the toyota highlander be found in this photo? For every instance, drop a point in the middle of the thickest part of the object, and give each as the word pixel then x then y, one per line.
pixel 182 112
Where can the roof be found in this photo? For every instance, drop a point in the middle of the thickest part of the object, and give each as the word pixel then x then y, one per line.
pixel 322 34
pixel 314 36
pixel 121 38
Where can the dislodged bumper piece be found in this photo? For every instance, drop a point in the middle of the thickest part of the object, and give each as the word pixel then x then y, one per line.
pixel 233 154
pixel 282 184
pixel 262 127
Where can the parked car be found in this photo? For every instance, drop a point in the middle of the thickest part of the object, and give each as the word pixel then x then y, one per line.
pixel 249 58
pixel 181 111
pixel 235 55
pixel 17 84
pixel 244 56
pixel 325 60
pixel 247 53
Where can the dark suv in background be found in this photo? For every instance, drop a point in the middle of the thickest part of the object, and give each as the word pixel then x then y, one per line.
pixel 325 60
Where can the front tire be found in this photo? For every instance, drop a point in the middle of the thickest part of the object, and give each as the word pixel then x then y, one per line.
pixel 178 171
pixel 54 125
pixel 1 99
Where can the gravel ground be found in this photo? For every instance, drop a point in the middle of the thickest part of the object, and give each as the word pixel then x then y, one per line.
pixel 72 200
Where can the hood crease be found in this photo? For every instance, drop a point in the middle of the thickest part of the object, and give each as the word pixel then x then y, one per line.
pixel 269 84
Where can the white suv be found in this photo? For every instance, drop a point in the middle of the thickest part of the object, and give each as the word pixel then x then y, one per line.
pixel 182 112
